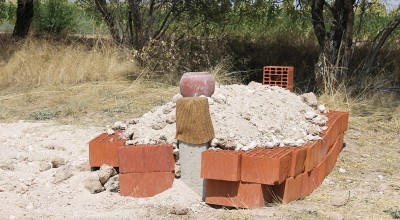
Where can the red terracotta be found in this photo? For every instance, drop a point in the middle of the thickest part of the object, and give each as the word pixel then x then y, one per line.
pixel 237 194
pixel 221 165
pixel 145 184
pixel 103 149
pixel 307 187
pixel 197 84
pixel 146 158
pixel 334 153
pixel 318 174
pixel 289 190
pixel 312 155
pixel 279 76
pixel 266 166
pixel 344 117
pixel 299 155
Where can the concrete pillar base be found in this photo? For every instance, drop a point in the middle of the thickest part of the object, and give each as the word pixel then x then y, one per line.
pixel 190 159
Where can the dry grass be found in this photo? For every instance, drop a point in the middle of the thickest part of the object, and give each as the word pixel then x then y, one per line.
pixel 40 63
pixel 45 80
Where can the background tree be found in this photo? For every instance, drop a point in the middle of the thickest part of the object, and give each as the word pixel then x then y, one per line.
pixel 24 18
pixel 336 43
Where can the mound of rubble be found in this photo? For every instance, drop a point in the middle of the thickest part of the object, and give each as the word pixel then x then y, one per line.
pixel 243 117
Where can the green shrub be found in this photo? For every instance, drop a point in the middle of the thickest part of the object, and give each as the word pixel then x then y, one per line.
pixel 55 16
pixel 7 12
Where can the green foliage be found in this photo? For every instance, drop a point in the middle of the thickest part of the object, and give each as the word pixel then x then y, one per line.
pixel 55 16
pixel 7 11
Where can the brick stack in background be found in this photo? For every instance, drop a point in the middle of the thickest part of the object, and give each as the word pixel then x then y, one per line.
pixel 279 76
pixel 146 170
pixel 251 179
pixel 103 149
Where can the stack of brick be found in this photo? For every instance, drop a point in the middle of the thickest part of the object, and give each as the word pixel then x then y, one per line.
pixel 146 170
pixel 251 179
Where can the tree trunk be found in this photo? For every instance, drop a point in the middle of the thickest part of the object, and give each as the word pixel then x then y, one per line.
pixel 377 45
pixel 335 45
pixel 24 18
pixel 101 6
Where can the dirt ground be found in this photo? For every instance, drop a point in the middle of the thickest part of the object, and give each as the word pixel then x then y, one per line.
pixel 365 183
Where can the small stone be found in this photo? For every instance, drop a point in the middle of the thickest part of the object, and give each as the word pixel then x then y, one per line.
pixel 117 124
pixel 130 142
pixel 339 200
pixel 176 97
pixel 300 142
pixel 321 108
pixel 341 170
pixel 179 210
pixel 105 173
pixel 177 171
pixel 62 173
pixel 210 101
pixel 214 142
pixel 159 126
pixel 270 144
pixel 380 177
pixel 219 98
pixel 110 131
pixel 44 166
pixel 92 183
pixel 310 99
pixel 310 115
pixel 112 185
pixel 57 162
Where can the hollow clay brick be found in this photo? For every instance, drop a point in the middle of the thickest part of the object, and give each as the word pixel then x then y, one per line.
pixel 289 190
pixel 237 194
pixel 312 155
pixel 146 158
pixel 145 184
pixel 221 165
pixel 318 174
pixel 344 117
pixel 334 153
pixel 307 187
pixel 103 149
pixel 266 166
pixel 299 155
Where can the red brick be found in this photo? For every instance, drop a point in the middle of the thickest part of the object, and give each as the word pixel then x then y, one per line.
pixel 312 155
pixel 333 154
pixel 289 190
pixel 103 149
pixel 279 76
pixel 237 194
pixel 307 187
pixel 266 166
pixel 146 158
pixel 145 184
pixel 299 155
pixel 344 117
pixel 221 165
pixel 318 174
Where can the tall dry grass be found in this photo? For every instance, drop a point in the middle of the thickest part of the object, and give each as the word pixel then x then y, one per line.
pixel 372 108
pixel 42 63
pixel 41 79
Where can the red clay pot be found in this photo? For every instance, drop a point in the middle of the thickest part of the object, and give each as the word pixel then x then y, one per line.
pixel 196 84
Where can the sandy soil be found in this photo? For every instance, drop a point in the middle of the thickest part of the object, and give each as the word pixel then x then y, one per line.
pixel 364 184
